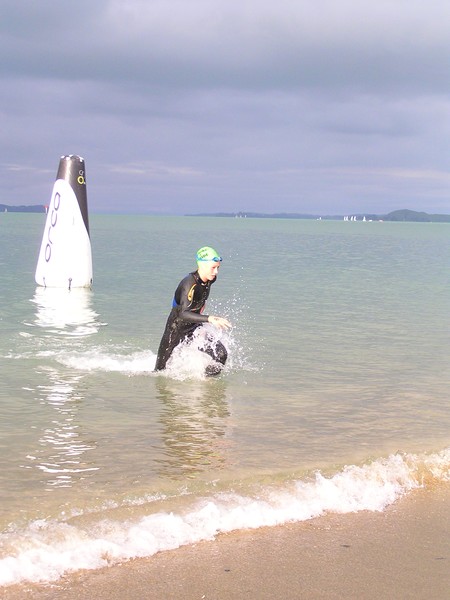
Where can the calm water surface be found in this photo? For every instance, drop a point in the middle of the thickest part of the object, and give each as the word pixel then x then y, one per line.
pixel 338 356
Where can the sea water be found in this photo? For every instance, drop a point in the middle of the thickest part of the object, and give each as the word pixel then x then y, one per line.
pixel 334 398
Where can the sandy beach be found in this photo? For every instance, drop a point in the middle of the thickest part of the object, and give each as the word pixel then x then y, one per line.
pixel 402 553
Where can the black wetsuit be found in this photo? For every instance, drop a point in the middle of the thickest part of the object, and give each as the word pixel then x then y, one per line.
pixel 184 318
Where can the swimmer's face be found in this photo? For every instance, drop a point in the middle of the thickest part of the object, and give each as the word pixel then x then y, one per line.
pixel 208 270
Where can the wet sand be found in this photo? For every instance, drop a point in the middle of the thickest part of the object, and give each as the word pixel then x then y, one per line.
pixel 402 553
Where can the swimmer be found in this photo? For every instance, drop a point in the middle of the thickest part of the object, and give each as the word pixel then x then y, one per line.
pixel 187 313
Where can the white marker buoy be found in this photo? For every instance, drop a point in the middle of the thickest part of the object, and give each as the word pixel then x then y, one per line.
pixel 65 258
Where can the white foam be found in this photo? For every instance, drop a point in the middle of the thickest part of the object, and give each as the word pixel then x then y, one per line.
pixel 98 360
pixel 186 362
pixel 189 362
pixel 48 549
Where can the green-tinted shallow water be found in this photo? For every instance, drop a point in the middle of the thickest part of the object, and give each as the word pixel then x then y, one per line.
pixel 338 355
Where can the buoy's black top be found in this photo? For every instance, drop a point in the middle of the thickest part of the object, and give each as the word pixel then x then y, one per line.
pixel 186 315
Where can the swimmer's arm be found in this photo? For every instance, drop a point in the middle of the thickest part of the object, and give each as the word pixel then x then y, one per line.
pixel 189 316
pixel 192 317
pixel 186 313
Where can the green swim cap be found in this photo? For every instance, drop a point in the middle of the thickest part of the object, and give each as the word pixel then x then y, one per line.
pixel 207 253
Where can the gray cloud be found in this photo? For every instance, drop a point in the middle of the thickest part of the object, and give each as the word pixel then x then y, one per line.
pixel 212 105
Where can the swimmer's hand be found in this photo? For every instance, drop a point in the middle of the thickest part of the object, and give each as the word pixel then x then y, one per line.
pixel 219 322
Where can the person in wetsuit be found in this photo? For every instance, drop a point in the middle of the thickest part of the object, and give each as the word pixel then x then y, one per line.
pixel 187 313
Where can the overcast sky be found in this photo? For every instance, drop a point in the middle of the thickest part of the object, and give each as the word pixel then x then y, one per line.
pixel 184 106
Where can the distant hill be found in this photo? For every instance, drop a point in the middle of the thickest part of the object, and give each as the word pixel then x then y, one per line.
pixel 397 215
pixel 34 208
pixel 411 215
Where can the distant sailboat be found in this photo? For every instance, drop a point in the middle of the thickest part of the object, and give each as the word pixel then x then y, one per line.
pixel 65 258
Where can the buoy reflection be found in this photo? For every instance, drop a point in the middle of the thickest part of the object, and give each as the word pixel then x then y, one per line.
pixel 65 311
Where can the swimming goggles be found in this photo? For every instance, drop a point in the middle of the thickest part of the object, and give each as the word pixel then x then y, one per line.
pixel 214 259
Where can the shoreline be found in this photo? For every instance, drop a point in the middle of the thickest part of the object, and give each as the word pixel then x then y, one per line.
pixel 403 552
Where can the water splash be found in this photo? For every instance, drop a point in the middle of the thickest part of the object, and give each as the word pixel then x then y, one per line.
pixel 47 549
